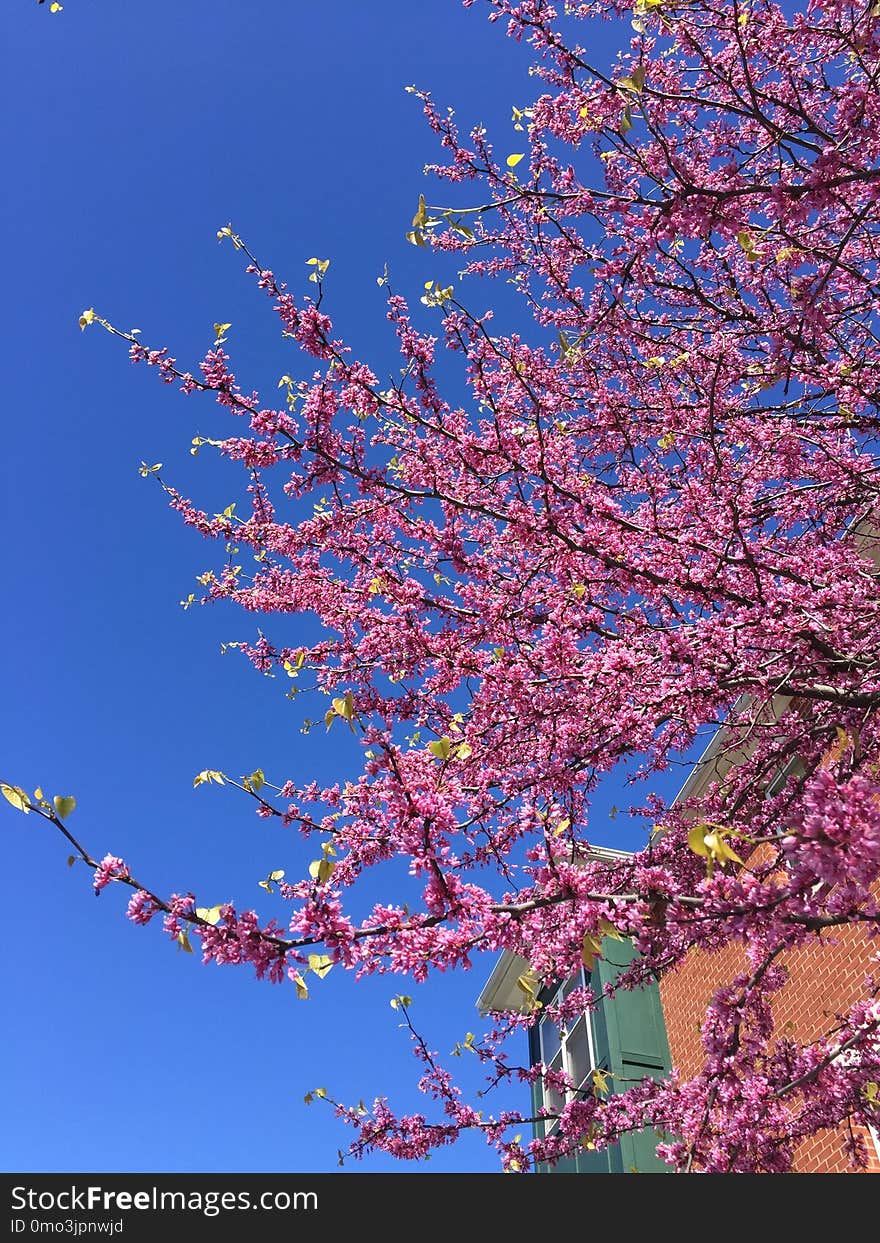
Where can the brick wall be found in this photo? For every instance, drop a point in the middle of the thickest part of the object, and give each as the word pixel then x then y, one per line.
pixel 822 981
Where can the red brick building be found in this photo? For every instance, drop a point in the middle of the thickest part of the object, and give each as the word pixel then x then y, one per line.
pixel 823 981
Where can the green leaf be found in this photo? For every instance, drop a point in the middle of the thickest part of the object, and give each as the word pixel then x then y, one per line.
pixel 400 1000
pixel 441 749
pixel 183 942
pixel 220 331
pixel 321 964
pixel 210 914
pixel 16 796
pixel 626 121
pixel 64 805
pixel 513 160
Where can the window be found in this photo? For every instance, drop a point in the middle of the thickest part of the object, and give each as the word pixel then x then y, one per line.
pixel 570 1049
pixel 624 1035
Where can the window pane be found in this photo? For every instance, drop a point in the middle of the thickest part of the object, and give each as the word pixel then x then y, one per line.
pixel 573 982
pixel 553 1099
pixel 551 1041
pixel 577 1048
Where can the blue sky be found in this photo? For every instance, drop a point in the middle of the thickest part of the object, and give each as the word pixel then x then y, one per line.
pixel 132 133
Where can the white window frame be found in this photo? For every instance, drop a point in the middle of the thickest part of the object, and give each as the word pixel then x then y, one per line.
pixel 562 1059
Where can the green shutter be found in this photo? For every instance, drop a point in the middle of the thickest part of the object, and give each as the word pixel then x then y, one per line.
pixel 629 1037
pixel 631 1041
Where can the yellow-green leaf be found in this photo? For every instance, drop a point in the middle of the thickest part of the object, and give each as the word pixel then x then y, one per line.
pixel 302 993
pixel 710 842
pixel 600 1081
pixel 207 774
pixel 747 242
pixel 16 796
pixel 697 840
pixel 64 805
pixel 441 749
pixel 210 914
pixel 719 848
pixel 636 80
pixel 321 870
pixel 400 1000
pixel 87 317
pixel 344 707
pixel 256 780
pixel 220 331
pixel 183 942
pixel 513 160
pixel 420 219
pixel 527 984
pixel 591 949
pixel 321 964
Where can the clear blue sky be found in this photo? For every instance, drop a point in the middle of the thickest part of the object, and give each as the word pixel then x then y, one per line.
pixel 132 132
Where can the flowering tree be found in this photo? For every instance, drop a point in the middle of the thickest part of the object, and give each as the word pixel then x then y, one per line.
pixel 650 514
